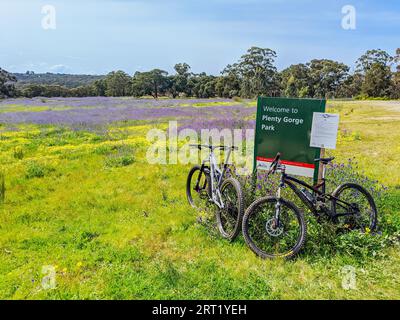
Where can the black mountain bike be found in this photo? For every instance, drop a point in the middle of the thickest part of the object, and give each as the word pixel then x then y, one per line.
pixel 275 227
pixel 207 183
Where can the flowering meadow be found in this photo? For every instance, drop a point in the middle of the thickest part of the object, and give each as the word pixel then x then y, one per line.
pixel 80 205
pixel 102 110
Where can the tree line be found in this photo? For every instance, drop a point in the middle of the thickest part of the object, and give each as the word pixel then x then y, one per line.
pixel 66 80
pixel 376 74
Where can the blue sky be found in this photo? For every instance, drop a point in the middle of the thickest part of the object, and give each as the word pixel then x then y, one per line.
pixel 98 36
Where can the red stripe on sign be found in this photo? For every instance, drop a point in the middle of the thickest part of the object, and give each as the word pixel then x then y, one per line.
pixel 289 163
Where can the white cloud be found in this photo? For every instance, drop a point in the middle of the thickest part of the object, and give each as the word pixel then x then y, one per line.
pixel 60 68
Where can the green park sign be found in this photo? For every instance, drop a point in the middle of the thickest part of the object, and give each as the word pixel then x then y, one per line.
pixel 284 125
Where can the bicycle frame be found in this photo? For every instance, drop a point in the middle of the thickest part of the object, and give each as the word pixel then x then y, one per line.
pixel 319 192
pixel 217 175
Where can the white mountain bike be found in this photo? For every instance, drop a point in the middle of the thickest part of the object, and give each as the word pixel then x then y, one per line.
pixel 208 183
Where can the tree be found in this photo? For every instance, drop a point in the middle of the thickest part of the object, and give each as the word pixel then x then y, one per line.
pixel 118 84
pixel 100 87
pixel 397 59
pixel 45 90
pixel 318 78
pixel 296 81
pixel 326 76
pixel 227 86
pixel 179 81
pixel 182 69
pixel 7 84
pixel 377 81
pixel 202 85
pixel 371 57
pixel 32 90
pixel 256 71
pixel 396 77
pixel 374 67
pixel 154 83
pixel 82 91
pixel 351 87
pixel 254 74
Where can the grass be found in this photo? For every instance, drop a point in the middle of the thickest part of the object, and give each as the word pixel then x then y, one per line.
pixel 370 134
pixel 114 227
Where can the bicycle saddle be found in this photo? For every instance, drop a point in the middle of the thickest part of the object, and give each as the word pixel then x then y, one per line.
pixel 325 160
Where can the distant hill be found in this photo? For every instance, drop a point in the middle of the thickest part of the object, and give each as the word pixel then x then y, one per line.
pixel 67 80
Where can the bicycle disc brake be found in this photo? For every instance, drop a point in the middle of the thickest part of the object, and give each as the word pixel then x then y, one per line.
pixel 271 228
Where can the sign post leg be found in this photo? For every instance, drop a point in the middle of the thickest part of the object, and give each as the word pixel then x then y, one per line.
pixel 321 167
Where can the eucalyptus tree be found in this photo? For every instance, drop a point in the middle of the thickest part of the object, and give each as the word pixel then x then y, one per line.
pixel 180 81
pixel 256 72
pixel 296 81
pixel 397 59
pixel 100 87
pixel 319 78
pixel 375 69
pixel 154 83
pixel 118 84
pixel 202 85
pixel 396 77
pixel 327 76
pixel 377 81
pixel 227 86
pixel 371 57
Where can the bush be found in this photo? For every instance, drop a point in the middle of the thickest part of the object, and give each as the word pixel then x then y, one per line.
pixel 338 174
pixel 364 245
pixel 37 170
pixel 122 156
pixel 18 153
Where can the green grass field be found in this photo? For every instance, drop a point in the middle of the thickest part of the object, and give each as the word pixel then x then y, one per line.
pixel 115 227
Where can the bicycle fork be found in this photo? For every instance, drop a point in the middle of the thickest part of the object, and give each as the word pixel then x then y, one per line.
pixel 278 204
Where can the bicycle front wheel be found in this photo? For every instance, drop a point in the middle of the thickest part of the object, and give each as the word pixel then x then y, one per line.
pixel 229 218
pixel 268 238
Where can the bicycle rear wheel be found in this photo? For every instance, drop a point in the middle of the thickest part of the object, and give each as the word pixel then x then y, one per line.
pixel 229 219
pixel 265 237
pixel 198 187
pixel 362 212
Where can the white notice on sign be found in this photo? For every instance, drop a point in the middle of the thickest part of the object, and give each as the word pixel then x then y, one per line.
pixel 324 130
